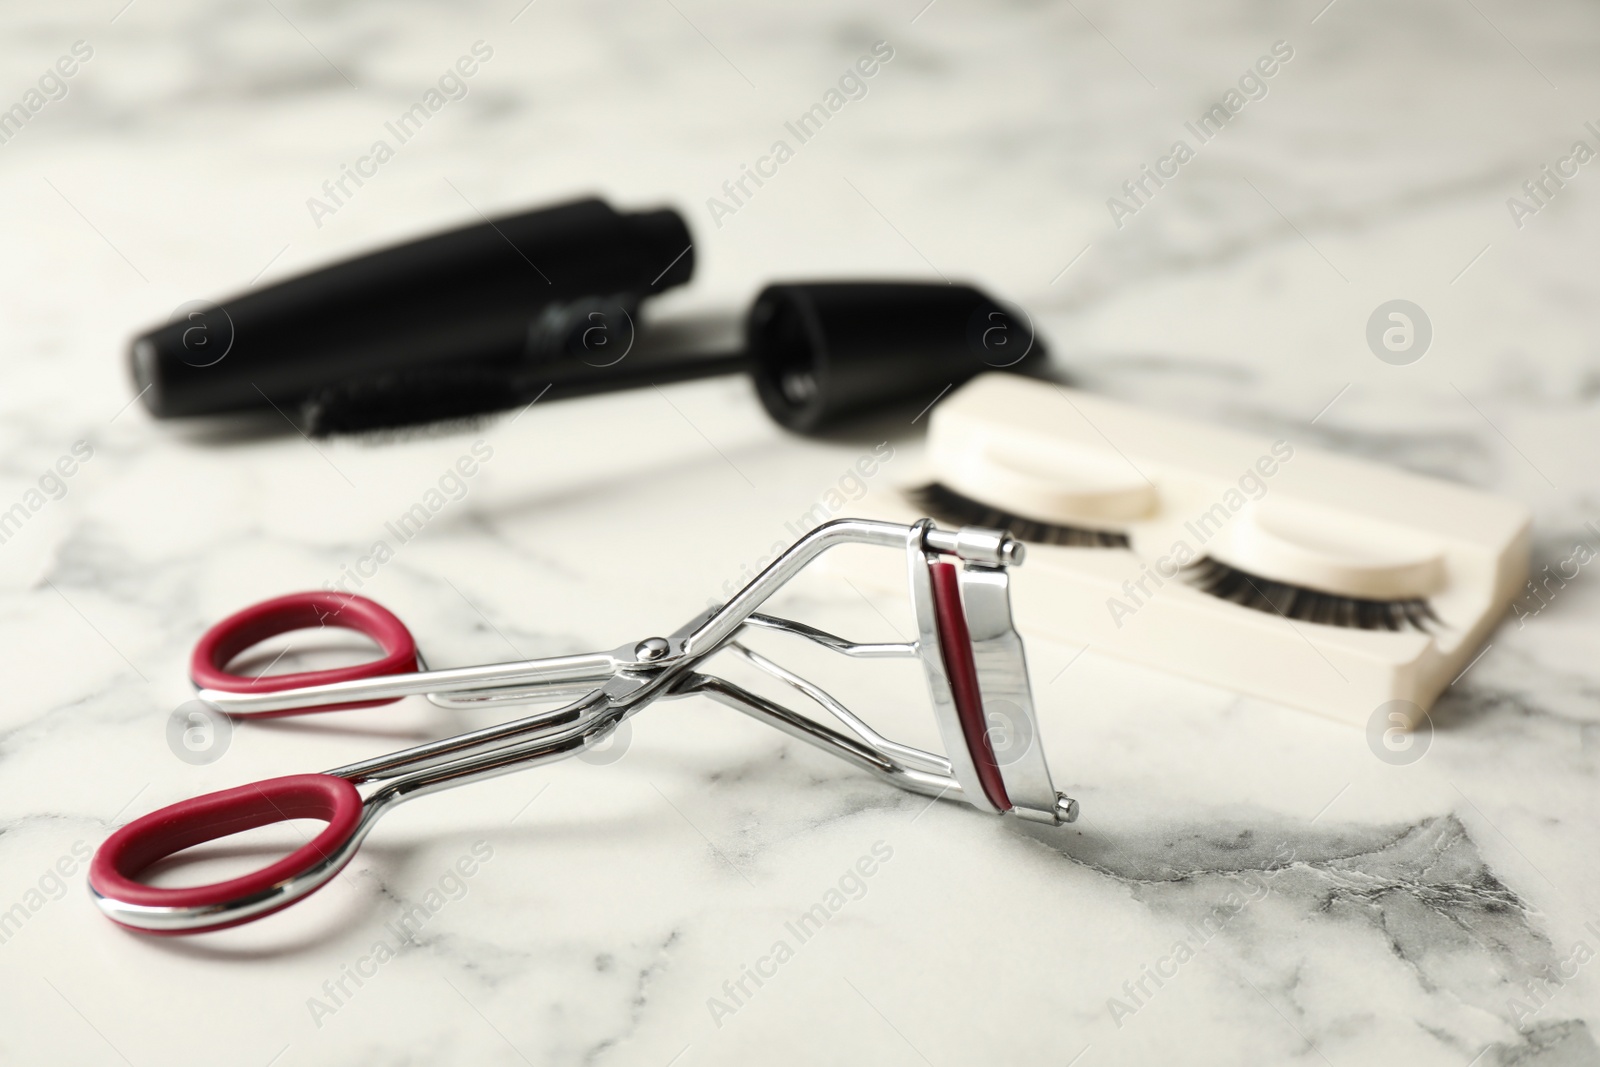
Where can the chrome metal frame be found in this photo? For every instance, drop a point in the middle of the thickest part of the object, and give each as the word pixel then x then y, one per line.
pixel 611 686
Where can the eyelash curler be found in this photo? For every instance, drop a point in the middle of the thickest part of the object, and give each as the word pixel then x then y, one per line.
pixel 971 654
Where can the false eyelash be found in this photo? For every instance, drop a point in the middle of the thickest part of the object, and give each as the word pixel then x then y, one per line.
pixel 1308 605
pixel 947 505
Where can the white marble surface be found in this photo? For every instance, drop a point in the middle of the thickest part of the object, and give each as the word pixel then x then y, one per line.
pixel 1401 910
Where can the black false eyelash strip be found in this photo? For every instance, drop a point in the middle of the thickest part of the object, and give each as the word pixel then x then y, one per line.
pixel 1308 605
pixel 947 505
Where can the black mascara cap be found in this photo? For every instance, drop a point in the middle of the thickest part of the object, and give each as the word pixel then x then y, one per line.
pixel 824 351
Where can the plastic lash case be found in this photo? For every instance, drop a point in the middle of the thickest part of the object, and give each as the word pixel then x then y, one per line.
pixel 1314 580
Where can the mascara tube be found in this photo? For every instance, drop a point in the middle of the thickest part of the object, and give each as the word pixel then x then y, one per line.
pixel 469 297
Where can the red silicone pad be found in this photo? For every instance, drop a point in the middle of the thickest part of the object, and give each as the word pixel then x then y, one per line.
pixel 299 611
pixel 142 842
pixel 955 648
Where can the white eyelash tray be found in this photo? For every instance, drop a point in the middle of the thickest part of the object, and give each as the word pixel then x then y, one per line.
pixel 1358 585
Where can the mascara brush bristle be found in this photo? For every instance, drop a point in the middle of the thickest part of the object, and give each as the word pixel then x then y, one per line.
pixel 1307 605
pixel 396 401
pixel 947 505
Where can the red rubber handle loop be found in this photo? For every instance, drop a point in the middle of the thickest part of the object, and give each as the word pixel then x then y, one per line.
pixel 299 611
pixel 955 648
pixel 132 849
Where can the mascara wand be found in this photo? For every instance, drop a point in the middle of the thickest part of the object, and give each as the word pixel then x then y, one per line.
pixel 819 353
